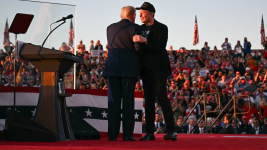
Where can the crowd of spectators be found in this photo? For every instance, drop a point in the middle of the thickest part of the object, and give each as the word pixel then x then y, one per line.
pixel 225 73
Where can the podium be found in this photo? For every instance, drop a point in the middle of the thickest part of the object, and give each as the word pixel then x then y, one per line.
pixel 51 111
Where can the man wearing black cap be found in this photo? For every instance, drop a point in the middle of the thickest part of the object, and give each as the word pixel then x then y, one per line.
pixel 155 68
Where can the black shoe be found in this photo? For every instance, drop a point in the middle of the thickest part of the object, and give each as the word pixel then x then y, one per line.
pixel 148 137
pixel 129 139
pixel 170 136
pixel 112 139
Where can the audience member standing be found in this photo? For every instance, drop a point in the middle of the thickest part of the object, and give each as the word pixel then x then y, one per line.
pixel 81 47
pixel 247 47
pixel 91 47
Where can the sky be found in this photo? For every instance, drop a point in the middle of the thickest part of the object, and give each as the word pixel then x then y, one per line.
pixel 218 19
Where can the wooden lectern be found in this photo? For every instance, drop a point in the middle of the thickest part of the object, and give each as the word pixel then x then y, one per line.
pixel 51 111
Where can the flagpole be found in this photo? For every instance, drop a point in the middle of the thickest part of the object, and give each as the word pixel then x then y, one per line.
pixel 15 74
pixel 74 77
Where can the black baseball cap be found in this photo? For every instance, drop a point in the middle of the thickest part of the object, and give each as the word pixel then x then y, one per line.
pixel 147 6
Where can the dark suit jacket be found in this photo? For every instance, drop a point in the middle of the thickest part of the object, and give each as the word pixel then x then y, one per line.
pixel 186 129
pixel 264 129
pixel 179 129
pixel 253 131
pixel 230 130
pixel 216 129
pixel 162 125
pixel 123 59
pixel 245 128
pixel 155 54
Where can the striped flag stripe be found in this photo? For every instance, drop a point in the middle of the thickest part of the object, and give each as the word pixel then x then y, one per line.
pixel 6 33
pixel 71 33
pixel 196 36
pixel 262 32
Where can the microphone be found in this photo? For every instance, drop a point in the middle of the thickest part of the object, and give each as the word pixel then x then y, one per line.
pixel 65 18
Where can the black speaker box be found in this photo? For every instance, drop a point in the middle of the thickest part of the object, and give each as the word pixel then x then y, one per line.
pixel 82 130
pixel 21 128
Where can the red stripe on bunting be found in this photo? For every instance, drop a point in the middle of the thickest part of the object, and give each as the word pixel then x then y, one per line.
pixel 97 92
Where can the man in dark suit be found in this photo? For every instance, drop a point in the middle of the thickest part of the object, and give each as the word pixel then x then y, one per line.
pixel 189 129
pixel 178 127
pixel 216 128
pixel 245 127
pixel 155 68
pixel 122 70
pixel 159 125
pixel 257 129
pixel 229 128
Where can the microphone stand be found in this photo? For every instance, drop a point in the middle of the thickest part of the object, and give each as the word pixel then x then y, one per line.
pixel 50 33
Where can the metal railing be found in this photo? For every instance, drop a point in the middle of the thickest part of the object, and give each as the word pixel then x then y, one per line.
pixel 234 115
pixel 205 112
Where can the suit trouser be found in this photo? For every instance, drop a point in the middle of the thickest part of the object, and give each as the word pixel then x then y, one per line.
pixel 121 90
pixel 156 87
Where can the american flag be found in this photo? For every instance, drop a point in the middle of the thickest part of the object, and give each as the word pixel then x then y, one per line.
pixel 6 33
pixel 196 38
pixel 71 32
pixel 262 32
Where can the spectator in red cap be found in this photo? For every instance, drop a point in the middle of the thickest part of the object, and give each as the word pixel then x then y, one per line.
pixel 187 68
pixel 203 87
pixel 261 69
pixel 211 105
pixel 232 89
pixel 242 83
pixel 214 87
pixel 194 87
pixel 222 83
pixel 212 78
pixel 189 109
pixel 245 127
pixel 241 91
pixel 173 87
pixel 224 69
pixel 187 90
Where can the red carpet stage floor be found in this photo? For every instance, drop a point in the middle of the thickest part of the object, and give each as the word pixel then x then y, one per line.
pixel 184 142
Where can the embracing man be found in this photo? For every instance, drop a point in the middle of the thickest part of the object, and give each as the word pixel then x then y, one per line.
pixel 122 70
pixel 155 69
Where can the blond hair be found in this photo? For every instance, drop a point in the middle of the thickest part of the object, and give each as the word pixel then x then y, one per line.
pixel 127 12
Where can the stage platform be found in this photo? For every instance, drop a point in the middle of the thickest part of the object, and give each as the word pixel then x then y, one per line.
pixel 184 142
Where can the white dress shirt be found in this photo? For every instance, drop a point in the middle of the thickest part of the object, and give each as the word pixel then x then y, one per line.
pixel 257 130
pixel 201 130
